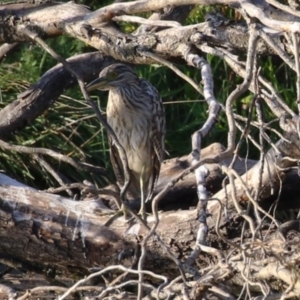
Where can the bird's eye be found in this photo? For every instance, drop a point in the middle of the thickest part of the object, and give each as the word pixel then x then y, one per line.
pixel 113 74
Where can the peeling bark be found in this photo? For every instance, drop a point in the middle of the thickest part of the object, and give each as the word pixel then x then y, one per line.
pixel 41 230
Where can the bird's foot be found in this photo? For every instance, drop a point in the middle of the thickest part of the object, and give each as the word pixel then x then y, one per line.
pixel 123 210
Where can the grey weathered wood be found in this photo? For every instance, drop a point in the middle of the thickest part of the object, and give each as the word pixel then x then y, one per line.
pixel 40 229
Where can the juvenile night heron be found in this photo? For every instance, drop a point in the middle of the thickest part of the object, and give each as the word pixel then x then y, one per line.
pixel 135 112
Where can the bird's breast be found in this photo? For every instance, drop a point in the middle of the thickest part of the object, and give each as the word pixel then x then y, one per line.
pixel 132 127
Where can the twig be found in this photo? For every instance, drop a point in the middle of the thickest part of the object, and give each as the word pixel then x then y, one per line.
pixel 255 11
pixel 134 263
pixel 53 154
pixel 273 100
pixel 296 54
pixel 289 42
pixel 248 136
pixel 51 171
pixel 238 208
pixel 68 140
pixel 232 172
pixel 262 156
pixel 201 172
pixel 110 268
pixel 43 289
pixel 134 7
pixel 245 132
pixel 265 125
pixel 270 100
pixel 218 222
pixel 5 48
pixel 121 285
pixel 139 20
pixel 276 47
pixel 284 7
pixel 213 105
pixel 251 56
pixel 174 69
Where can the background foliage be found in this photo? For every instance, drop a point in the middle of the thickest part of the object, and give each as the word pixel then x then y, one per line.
pixel 70 126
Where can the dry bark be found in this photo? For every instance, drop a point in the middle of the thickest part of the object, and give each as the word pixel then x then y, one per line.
pixel 97 30
pixel 40 230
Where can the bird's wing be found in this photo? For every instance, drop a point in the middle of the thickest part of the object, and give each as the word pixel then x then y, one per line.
pixel 157 136
pixel 134 187
pixel 116 162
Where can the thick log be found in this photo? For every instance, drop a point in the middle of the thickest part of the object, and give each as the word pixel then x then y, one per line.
pixel 94 28
pixel 39 230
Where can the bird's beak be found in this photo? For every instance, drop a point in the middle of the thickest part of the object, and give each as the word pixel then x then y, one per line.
pixel 98 83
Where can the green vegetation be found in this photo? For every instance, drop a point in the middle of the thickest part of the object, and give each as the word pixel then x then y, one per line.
pixel 70 126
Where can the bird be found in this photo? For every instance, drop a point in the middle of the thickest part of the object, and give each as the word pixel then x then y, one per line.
pixel 136 114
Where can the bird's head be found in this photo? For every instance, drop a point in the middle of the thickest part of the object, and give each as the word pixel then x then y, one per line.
pixel 116 75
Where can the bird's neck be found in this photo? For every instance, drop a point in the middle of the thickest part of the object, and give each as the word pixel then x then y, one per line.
pixel 130 96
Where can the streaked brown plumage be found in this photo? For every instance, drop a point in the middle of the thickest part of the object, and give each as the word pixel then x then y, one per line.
pixel 135 113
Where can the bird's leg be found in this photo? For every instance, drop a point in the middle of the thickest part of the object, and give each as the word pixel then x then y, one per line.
pixel 122 207
pixel 142 211
pixel 125 211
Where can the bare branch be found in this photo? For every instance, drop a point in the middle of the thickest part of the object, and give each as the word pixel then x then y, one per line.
pixel 40 96
pixel 6 48
pixel 139 20
pixel 53 154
